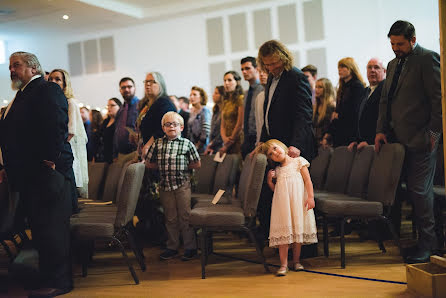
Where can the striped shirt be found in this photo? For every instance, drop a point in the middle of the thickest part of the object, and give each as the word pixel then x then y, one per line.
pixel 173 158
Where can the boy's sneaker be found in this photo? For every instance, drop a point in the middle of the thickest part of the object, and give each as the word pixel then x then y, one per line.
pixel 189 254
pixel 168 254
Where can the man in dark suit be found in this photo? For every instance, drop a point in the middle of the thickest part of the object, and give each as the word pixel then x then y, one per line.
pixel 37 165
pixel 287 112
pixel 369 107
pixel 410 114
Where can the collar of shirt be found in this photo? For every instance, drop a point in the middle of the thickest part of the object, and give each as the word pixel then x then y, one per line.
pixel 33 78
pixel 257 82
pixel 176 138
pixel 278 77
pixel 133 100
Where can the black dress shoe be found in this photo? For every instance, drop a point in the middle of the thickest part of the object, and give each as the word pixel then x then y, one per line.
pixel 49 292
pixel 421 256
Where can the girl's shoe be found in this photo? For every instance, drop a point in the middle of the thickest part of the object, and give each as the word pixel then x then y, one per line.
pixel 298 267
pixel 282 271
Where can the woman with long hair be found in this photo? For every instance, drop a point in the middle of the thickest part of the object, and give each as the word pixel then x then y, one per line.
pixel 77 136
pixel 215 141
pixel 108 129
pixel 199 123
pixel 232 113
pixel 323 108
pixel 350 92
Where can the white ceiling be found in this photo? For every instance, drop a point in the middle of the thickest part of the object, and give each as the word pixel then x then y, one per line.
pixel 31 17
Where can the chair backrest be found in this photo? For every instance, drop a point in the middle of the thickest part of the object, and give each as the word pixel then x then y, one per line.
pixel 121 179
pixel 226 173
pixel 250 184
pixel 339 169
pixel 111 181
pixel 319 166
pixel 385 174
pixel 205 175
pixel 96 174
pixel 359 174
pixel 128 197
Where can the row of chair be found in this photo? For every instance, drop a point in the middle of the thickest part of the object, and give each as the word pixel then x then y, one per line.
pixel 356 184
pixel 110 217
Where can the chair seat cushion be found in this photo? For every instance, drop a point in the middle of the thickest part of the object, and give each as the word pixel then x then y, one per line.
pixel 352 207
pixel 217 215
pixel 91 230
pixel 335 196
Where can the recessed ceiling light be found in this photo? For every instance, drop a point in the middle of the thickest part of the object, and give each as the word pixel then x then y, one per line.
pixel 65 17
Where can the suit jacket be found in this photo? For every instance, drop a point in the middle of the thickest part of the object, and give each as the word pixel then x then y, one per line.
pixel 35 129
pixel 368 116
pixel 290 113
pixel 416 103
pixel 151 123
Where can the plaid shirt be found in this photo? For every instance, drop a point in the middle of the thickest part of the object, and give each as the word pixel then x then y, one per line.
pixel 173 158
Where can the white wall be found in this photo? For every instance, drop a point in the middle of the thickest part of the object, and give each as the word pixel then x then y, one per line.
pixel 177 47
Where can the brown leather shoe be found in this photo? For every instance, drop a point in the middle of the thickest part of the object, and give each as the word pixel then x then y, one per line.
pixel 48 292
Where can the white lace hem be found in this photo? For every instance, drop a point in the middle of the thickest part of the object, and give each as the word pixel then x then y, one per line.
pixel 298 238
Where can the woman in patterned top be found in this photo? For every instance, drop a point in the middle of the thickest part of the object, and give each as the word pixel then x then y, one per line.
pixel 199 124
pixel 232 114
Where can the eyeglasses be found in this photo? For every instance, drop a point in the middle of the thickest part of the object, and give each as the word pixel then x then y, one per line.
pixel 272 64
pixel 149 82
pixel 169 124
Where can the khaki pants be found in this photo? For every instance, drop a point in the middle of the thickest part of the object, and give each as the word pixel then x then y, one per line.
pixel 176 206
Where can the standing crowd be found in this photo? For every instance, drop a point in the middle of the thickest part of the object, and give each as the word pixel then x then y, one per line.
pixel 287 114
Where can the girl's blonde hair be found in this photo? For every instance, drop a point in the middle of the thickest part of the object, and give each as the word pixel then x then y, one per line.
pixel 326 100
pixel 351 65
pixel 269 144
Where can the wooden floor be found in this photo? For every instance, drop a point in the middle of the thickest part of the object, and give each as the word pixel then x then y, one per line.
pixel 109 277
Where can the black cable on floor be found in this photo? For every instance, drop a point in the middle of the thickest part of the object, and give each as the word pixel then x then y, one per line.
pixel 312 271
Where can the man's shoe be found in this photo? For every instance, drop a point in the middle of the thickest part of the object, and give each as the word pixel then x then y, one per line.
pixel 189 254
pixel 421 256
pixel 168 254
pixel 49 292
pixel 283 270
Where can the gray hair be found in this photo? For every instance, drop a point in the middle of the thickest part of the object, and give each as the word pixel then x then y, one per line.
pixel 160 80
pixel 30 60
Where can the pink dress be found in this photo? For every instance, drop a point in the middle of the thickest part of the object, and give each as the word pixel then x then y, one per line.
pixel 290 221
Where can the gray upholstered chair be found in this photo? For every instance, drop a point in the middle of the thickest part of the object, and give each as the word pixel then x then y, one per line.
pixel 382 184
pixel 96 175
pixel 88 229
pixel 224 178
pixel 222 217
pixel 319 166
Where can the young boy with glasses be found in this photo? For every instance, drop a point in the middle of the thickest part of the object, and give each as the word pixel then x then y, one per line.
pixel 175 157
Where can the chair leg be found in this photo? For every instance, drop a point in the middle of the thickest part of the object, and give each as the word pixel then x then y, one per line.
pixel 325 232
pixel 259 250
pixel 132 271
pixel 204 252
pixel 342 239
pixel 394 234
pixel 139 256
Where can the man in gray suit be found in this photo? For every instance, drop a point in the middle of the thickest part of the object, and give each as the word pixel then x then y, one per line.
pixel 410 114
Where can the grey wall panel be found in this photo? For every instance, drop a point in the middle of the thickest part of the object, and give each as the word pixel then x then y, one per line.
pixel 91 56
pixel 318 58
pixel 217 70
pixel 296 55
pixel 238 32
pixel 237 67
pixel 214 29
pixel 107 48
pixel 313 20
pixel 262 26
pixel 287 23
pixel 75 59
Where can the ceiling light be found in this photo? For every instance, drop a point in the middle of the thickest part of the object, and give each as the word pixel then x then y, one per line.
pixel 65 17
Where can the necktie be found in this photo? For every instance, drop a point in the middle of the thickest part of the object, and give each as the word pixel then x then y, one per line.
pixel 247 112
pixel 392 89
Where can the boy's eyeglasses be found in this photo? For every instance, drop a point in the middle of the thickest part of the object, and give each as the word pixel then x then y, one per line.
pixel 169 124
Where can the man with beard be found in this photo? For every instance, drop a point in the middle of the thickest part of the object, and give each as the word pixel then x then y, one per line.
pixel 125 119
pixel 410 114
pixel 37 166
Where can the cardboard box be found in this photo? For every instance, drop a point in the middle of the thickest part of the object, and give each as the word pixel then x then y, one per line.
pixel 426 279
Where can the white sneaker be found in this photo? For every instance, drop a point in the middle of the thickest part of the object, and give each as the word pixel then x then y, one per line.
pixel 298 267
